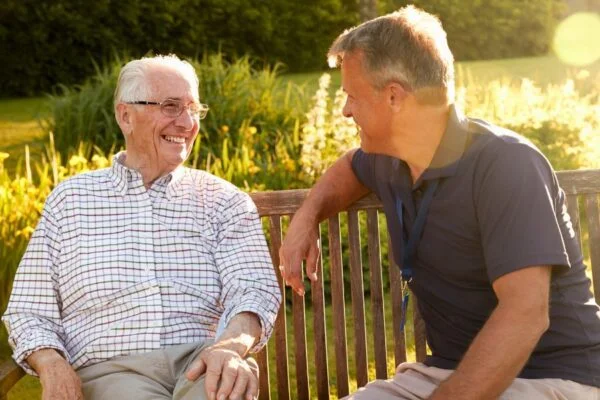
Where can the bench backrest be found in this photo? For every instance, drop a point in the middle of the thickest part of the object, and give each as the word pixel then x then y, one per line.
pixel 582 188
pixel 291 379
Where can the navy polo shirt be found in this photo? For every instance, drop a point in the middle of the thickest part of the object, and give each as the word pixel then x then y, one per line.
pixel 498 208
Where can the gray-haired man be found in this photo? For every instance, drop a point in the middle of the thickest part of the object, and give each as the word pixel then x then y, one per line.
pixel 478 225
pixel 135 270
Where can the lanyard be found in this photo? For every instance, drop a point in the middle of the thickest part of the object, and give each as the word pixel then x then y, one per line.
pixel 411 245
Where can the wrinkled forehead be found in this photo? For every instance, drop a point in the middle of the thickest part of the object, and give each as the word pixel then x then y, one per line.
pixel 167 82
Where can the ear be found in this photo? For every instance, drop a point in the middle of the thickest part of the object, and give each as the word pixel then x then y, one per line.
pixel 124 118
pixel 397 94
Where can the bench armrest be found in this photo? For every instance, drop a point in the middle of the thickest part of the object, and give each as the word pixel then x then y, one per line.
pixel 10 373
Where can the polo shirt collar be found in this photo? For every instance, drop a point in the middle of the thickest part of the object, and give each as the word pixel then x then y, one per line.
pixel 451 148
pixel 124 177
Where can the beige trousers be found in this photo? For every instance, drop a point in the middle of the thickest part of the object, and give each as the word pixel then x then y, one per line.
pixel 416 381
pixel 156 375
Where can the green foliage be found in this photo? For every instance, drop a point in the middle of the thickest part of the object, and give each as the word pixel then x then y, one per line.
pixel 558 119
pixel 46 42
pixel 479 30
pixel 85 113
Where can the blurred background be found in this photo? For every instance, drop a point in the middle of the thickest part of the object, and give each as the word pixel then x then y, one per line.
pixel 275 109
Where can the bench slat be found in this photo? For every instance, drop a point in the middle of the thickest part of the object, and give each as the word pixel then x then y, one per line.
pixel 287 202
pixel 376 295
pixel 593 221
pixel 299 319
pixel 280 335
pixel 396 290
pixel 320 338
pixel 262 358
pixel 10 373
pixel 338 306
pixel 580 181
pixel 573 209
pixel 358 300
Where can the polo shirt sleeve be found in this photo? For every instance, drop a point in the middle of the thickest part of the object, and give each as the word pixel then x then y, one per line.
pixel 516 205
pixel 363 165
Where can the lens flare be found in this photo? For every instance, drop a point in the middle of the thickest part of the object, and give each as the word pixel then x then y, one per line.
pixel 576 40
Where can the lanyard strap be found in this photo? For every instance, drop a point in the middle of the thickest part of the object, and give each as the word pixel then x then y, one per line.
pixel 410 246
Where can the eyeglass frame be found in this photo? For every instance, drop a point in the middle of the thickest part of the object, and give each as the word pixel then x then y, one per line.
pixel 202 112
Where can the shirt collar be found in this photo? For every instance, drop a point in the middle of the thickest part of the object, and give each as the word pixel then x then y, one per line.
pixel 124 177
pixel 451 148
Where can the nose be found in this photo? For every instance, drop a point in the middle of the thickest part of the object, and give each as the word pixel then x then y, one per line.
pixel 346 110
pixel 186 120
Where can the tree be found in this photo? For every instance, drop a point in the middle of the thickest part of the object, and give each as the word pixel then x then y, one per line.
pixel 367 9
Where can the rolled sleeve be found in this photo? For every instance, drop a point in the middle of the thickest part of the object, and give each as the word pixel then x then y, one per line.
pixel 33 318
pixel 248 280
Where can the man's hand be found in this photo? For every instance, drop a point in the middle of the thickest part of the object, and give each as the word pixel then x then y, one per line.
pixel 301 243
pixel 59 380
pixel 228 375
pixel 238 377
pixel 336 189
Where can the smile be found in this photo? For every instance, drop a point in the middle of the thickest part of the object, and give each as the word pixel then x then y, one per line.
pixel 174 139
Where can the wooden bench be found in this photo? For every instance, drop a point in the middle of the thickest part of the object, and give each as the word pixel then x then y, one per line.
pixel 582 188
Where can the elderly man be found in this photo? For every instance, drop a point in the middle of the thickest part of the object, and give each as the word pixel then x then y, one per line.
pixel 478 224
pixel 134 271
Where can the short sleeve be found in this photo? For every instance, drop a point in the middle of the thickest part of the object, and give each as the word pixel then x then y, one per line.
pixel 516 199
pixel 363 165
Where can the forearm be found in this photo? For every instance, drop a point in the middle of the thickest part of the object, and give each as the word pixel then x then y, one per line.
pixel 335 190
pixel 44 359
pixel 496 356
pixel 241 334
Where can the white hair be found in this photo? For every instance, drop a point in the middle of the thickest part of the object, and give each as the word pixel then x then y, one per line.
pixel 133 82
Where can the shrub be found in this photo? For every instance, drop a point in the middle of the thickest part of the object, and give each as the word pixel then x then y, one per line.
pixel 560 121
pixel 479 30
pixel 46 42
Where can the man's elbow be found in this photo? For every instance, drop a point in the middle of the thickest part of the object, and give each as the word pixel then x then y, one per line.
pixel 538 317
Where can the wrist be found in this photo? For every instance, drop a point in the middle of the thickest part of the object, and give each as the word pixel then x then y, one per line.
pixel 43 359
pixel 235 345
pixel 307 216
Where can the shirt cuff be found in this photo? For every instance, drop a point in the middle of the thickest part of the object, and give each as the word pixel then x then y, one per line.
pixel 33 343
pixel 266 316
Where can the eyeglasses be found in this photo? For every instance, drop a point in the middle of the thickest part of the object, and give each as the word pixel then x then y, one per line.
pixel 173 108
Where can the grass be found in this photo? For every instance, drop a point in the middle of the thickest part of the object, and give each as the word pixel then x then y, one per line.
pixel 20 125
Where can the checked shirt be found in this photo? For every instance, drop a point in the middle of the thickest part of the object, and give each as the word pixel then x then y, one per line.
pixel 114 269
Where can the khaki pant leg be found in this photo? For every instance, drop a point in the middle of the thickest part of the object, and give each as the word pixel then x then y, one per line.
pixel 415 381
pixel 412 381
pixel 184 388
pixel 145 377
pixel 549 389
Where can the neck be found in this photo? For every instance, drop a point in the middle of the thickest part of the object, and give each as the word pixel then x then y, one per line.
pixel 150 170
pixel 418 136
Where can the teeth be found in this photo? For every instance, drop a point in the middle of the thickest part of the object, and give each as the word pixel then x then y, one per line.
pixel 175 139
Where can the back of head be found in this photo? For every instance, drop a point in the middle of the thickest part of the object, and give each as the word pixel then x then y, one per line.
pixel 408 46
pixel 134 83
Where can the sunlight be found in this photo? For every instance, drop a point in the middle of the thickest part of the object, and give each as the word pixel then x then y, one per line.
pixel 576 39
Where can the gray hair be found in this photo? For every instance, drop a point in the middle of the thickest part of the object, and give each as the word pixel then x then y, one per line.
pixel 408 46
pixel 133 84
